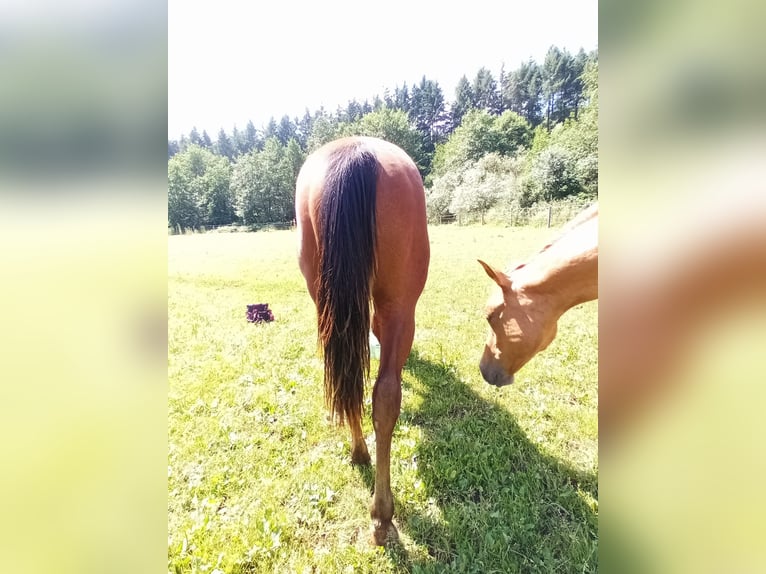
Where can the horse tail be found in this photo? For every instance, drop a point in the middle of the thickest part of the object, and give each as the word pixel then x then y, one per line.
pixel 347 267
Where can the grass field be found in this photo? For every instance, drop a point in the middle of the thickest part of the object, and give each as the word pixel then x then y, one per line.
pixel 484 479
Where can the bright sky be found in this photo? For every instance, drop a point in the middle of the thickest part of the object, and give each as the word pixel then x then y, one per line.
pixel 233 61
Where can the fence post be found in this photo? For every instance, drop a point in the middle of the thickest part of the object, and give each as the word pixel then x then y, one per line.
pixel 550 209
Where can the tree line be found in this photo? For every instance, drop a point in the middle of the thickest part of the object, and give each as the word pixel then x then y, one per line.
pixel 530 136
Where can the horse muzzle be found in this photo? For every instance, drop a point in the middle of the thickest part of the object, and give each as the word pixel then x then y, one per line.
pixel 494 374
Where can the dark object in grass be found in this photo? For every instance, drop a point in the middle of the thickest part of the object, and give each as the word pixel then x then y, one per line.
pixel 259 313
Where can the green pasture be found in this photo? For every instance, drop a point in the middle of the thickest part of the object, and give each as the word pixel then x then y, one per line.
pixel 484 479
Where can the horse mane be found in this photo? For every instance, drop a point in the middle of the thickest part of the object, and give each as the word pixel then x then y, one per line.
pixel 347 267
pixel 585 215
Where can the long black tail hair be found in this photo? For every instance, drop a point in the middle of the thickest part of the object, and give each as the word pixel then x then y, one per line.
pixel 347 267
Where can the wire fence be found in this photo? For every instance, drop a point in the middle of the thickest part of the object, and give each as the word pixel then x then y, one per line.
pixel 234 228
pixel 543 214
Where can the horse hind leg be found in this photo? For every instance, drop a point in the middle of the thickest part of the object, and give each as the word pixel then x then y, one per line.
pixel 359 453
pixel 386 403
pixel 397 336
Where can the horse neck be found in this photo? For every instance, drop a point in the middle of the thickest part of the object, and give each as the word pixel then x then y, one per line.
pixel 564 274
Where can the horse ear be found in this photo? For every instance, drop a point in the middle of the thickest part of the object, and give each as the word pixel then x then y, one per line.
pixel 497 276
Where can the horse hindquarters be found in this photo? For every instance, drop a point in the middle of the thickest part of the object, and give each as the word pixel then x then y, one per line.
pixel 393 274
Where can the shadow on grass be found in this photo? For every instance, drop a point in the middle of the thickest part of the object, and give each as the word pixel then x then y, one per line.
pixel 495 502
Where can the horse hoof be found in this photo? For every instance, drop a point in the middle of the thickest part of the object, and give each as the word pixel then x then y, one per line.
pixel 384 535
pixel 361 458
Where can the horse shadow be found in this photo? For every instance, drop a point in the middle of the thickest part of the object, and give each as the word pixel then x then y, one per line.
pixel 493 501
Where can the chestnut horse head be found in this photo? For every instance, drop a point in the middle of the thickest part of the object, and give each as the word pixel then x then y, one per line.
pixel 524 309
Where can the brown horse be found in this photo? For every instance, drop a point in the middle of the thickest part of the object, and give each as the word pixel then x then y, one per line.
pixel 361 217
pixel 524 311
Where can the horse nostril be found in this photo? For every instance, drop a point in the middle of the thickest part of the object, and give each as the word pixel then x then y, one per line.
pixel 505 379
pixel 495 375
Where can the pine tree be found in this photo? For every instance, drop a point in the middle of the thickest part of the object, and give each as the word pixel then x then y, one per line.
pixel 485 91
pixel 285 130
pixel 501 87
pixel 352 112
pixel 557 72
pixel 464 101
pixel 238 142
pixel 223 145
pixel 173 148
pixel 401 100
pixel 194 137
pixel 270 130
pixel 388 99
pixel 522 91
pixel 206 141
pixel 251 137
pixel 303 129
pixel 427 111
